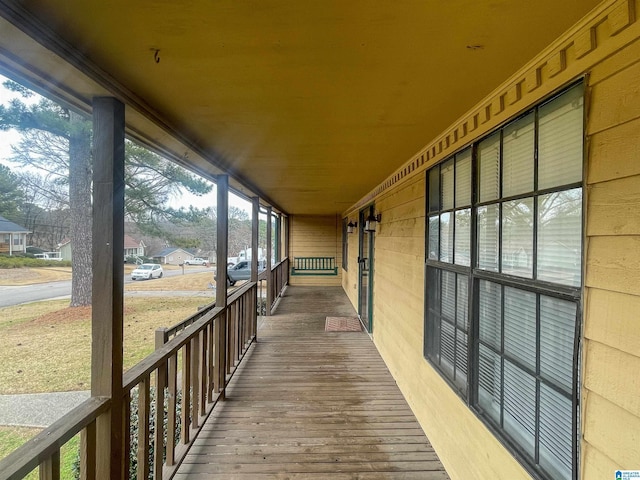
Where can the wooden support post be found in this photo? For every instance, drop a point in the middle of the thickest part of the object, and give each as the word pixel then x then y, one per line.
pixel 108 282
pixel 255 223
pixel 277 255
pixel 287 224
pixel 255 229
pixel 222 252
pixel 269 260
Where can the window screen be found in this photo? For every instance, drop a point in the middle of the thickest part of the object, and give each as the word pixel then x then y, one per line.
pixel 504 277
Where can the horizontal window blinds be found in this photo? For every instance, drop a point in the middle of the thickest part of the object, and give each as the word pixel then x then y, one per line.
pixel 504 277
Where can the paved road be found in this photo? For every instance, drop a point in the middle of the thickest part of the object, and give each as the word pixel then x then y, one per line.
pixel 16 295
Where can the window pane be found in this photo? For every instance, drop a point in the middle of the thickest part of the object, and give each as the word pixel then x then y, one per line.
pixel 434 190
pixel 555 433
pixel 432 341
pixel 560 237
pixel 517 237
pixel 461 360
pixel 490 313
pixel 446 184
pixel 489 378
pixel 463 237
pixel 520 406
pixel 447 347
pixel 560 140
pixel 488 237
pixel 434 237
pixel 517 157
pixel 489 168
pixel 520 325
pixel 449 296
pixel 463 179
pixel 462 303
pixel 446 238
pixel 557 331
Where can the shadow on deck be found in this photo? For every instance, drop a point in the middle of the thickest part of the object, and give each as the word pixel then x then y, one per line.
pixel 310 404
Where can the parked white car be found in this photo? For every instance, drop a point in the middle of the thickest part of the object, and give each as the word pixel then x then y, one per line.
pixel 49 256
pixel 147 271
pixel 195 261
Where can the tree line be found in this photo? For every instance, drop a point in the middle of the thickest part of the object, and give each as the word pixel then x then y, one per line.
pixel 49 192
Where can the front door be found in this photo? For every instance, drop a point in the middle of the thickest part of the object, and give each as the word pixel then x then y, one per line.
pixel 365 271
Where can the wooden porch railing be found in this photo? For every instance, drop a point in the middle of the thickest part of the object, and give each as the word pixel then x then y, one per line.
pixel 279 279
pixel 196 364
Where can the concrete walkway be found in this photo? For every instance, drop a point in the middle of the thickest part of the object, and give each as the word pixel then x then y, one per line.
pixel 38 409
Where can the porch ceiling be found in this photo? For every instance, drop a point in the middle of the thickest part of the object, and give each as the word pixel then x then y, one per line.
pixel 309 104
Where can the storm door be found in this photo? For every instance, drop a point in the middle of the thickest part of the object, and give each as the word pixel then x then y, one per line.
pixel 365 270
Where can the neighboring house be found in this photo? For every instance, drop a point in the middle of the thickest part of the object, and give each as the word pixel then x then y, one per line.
pixel 65 249
pixel 172 256
pixel 13 237
pixel 133 247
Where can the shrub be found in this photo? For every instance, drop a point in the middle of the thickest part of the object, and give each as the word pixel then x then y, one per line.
pixel 22 261
pixel 133 431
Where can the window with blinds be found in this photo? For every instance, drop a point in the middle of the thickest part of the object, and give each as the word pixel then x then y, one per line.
pixel 504 278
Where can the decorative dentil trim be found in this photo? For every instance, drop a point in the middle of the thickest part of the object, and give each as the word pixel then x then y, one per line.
pixel 576 51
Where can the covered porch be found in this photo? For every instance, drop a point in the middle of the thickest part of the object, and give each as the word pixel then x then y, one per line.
pixel 311 404
pixel 439 121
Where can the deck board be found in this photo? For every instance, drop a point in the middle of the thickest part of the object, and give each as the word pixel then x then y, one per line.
pixel 308 404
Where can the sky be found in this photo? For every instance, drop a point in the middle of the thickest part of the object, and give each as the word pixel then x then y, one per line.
pixel 12 137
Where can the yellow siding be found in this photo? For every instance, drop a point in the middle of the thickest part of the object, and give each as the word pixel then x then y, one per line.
pixel 316 236
pixel 613 431
pixel 606 48
pixel 612 319
pixel 611 384
pixel 467 449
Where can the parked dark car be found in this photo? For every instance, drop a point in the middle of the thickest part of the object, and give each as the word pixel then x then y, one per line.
pixel 241 271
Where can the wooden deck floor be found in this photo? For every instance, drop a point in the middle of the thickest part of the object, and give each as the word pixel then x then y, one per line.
pixel 309 404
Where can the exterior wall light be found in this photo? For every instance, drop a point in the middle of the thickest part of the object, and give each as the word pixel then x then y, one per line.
pixel 351 226
pixel 372 223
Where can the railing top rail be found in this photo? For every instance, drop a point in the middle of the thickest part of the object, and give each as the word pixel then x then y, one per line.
pixel 280 263
pixel 171 331
pixel 142 369
pixel 25 458
pixel 178 327
pixel 240 292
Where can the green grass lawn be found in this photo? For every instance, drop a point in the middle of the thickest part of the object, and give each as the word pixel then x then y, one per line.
pixel 46 346
pixel 12 437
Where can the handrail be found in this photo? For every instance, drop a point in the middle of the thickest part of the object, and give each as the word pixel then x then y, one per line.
pixel 152 362
pixel 210 349
pixel 279 280
pixel 169 332
pixel 47 443
pixel 178 327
